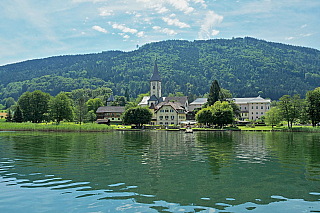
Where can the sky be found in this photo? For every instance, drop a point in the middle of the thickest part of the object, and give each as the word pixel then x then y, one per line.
pixel 31 29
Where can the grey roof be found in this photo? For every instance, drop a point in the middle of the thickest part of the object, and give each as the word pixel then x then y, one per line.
pixel 111 98
pixel 155 76
pixel 110 109
pixel 251 100
pixel 199 101
pixel 153 98
pixel 181 100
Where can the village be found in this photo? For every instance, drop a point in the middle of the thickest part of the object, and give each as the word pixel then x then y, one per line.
pixel 177 110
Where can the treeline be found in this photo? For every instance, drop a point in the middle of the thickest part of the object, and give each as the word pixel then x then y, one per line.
pixel 296 110
pixel 246 66
pixel 78 105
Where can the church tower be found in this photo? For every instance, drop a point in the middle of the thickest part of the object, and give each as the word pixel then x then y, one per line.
pixel 155 82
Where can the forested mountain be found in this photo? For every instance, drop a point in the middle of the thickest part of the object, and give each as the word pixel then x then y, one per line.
pixel 245 66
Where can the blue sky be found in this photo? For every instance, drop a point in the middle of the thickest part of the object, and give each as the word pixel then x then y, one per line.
pixel 31 29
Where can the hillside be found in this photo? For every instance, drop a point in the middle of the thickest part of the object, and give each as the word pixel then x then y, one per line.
pixel 245 66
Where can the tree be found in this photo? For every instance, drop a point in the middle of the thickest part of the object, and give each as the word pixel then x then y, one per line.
pixel 9 116
pixel 214 93
pixel 130 105
pixel 204 116
pixel 273 116
pixel 313 105
pixel 94 104
pixel 137 115
pixel 17 116
pixel 60 108
pixel 9 102
pixel 222 113
pixel 91 116
pixel 126 94
pixel 34 105
pixel 290 108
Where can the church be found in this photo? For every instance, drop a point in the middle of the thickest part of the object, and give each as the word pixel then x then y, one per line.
pixel 166 110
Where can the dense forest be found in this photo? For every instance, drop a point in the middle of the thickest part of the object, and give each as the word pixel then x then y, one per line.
pixel 245 66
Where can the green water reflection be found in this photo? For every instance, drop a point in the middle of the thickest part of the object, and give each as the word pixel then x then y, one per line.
pixel 221 170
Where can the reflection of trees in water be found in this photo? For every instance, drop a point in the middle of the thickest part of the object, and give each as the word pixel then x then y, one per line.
pixel 217 147
pixel 42 145
pixel 251 148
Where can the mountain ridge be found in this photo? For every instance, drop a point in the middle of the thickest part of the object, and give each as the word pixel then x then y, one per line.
pixel 245 66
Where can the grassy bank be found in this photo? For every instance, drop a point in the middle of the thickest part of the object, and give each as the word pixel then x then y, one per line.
pixel 282 128
pixel 62 127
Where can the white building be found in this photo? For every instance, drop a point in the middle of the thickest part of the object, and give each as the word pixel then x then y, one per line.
pixel 253 108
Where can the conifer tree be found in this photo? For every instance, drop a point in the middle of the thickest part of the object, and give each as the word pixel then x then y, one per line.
pixel 214 93
pixel 9 116
pixel 17 117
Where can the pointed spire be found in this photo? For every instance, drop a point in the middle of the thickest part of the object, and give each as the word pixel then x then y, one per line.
pixel 155 76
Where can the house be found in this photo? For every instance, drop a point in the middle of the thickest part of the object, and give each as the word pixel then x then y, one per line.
pixel 197 104
pixel 253 108
pixel 166 110
pixel 111 113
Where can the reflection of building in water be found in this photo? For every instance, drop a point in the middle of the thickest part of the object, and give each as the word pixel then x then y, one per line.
pixel 251 148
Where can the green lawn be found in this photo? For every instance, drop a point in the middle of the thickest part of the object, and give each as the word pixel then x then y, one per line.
pixel 62 127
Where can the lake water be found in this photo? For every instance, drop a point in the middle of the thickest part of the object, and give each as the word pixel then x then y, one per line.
pixel 159 171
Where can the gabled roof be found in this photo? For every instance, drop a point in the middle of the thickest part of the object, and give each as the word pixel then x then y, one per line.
pixel 153 98
pixel 111 98
pixel 175 106
pixel 199 101
pixel 144 100
pixel 113 109
pixel 181 100
pixel 155 75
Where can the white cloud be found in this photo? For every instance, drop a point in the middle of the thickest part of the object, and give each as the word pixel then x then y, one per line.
pixel 303 26
pixel 105 11
pixel 175 22
pixel 202 2
pixel 215 32
pixel 211 20
pixel 126 36
pixel 124 28
pixel 140 34
pixel 156 28
pixel 172 15
pixel 289 38
pixel 181 5
pixel 165 31
pixel 100 29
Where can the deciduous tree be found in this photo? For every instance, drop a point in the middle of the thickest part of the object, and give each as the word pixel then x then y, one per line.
pixel 60 108
pixel 137 116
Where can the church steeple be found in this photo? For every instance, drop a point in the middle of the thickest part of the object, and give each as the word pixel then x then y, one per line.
pixel 155 76
pixel 155 81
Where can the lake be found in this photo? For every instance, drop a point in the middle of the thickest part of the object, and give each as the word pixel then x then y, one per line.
pixel 160 171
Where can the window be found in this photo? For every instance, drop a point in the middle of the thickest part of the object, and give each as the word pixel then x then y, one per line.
pixel 161 123
pixel 245 108
pixel 257 113
pixel 161 110
pixel 172 117
pixel 172 122
pixel 171 110
pixel 257 107
pixel 268 107
pixel 166 110
pixel 240 108
pixel 166 117
pixel 112 118
pixel 261 113
pixel 154 87
pixel 252 107
pixel 118 119
pixel 261 107
pixel 166 123
pixel 252 113
pixel 161 117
